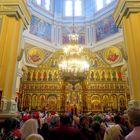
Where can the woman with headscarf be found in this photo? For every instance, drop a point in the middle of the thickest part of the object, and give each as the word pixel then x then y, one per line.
pixel 28 128
pixel 34 137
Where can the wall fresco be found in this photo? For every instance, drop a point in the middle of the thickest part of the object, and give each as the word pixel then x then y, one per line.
pixel 40 28
pixel 81 39
pixel 79 30
pixel 112 55
pixel 36 56
pixel 105 28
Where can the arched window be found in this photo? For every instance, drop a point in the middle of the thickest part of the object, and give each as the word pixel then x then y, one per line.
pixel 38 2
pixel 43 3
pixel 68 7
pixel 99 4
pixel 73 7
pixel 102 3
pixel 78 8
pixel 47 4
pixel 108 1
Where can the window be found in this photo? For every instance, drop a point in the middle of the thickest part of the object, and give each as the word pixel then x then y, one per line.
pixel 47 5
pixel 108 1
pixel 102 3
pixel 38 2
pixel 44 3
pixel 78 8
pixel 99 4
pixel 73 7
pixel 68 8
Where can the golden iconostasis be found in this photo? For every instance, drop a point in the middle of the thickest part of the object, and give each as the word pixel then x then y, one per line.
pixel 104 89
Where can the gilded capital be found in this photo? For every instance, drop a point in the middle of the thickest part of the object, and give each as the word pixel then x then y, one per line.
pixel 17 9
pixel 125 8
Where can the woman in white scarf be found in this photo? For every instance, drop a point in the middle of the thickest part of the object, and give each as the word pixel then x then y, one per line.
pixel 114 133
pixel 34 137
pixel 28 128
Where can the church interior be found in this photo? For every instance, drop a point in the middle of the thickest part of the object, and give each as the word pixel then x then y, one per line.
pixel 60 55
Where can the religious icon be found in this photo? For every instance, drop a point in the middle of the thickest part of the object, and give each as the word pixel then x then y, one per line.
pixel 50 76
pixel 34 76
pixel 55 76
pixel 95 63
pixel 108 76
pixel 44 76
pixel 35 55
pixel 39 76
pixel 92 76
pixel 29 76
pixel 112 56
pixel 97 76
pixel 103 75
pixel 119 76
pixel 114 75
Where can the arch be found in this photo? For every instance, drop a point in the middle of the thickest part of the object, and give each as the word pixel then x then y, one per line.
pixel 27 101
pixel 113 100
pixel 105 102
pixel 34 101
pixel 95 103
pixel 122 102
pixel 41 101
pixel 52 102
pixel 39 76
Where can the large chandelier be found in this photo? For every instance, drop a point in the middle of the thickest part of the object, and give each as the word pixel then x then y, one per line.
pixel 74 66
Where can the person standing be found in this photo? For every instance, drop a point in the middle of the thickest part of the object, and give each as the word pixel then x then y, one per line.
pixel 134 122
pixel 64 131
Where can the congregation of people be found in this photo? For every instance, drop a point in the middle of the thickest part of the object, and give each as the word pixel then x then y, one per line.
pixel 38 125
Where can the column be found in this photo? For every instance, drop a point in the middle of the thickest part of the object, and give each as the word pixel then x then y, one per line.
pixel 15 19
pixel 127 16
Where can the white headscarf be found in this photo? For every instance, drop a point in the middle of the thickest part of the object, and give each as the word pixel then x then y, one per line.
pixel 113 133
pixel 28 128
pixel 34 137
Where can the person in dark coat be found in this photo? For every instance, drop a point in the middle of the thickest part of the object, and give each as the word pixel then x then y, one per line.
pixel 64 131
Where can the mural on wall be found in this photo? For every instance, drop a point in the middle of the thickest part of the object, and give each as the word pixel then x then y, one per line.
pixel 80 31
pixel 112 55
pixel 40 28
pixel 81 39
pixel 105 28
pixel 65 39
pixel 36 56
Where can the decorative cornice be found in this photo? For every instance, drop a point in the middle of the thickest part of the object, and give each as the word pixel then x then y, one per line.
pixel 15 8
pixel 125 8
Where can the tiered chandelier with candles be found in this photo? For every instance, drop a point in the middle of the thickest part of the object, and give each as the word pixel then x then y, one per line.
pixel 74 66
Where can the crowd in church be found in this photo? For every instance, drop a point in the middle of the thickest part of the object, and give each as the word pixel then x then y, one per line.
pixel 39 125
